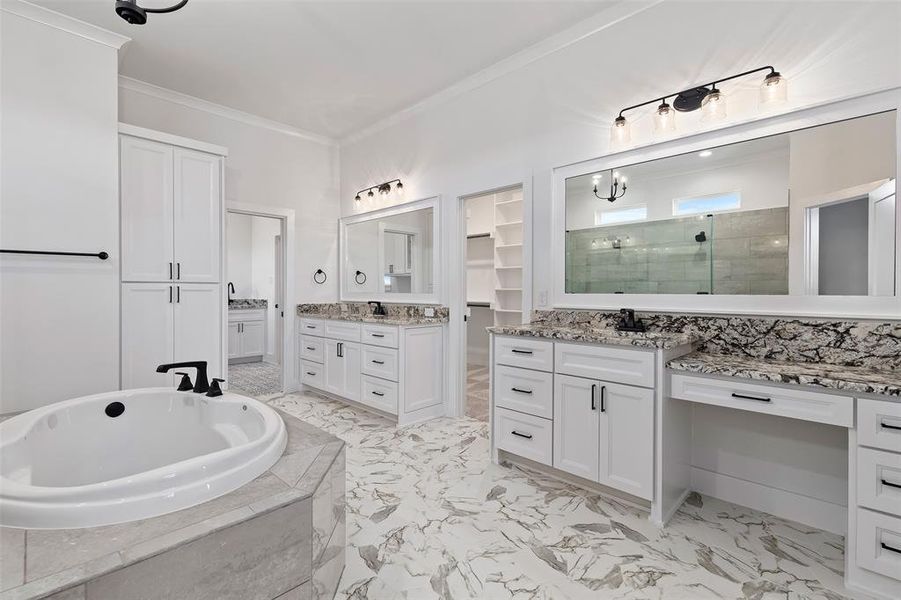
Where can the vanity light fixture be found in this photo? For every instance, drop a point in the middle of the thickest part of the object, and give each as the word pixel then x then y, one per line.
pixel 137 15
pixel 382 188
pixel 615 191
pixel 707 97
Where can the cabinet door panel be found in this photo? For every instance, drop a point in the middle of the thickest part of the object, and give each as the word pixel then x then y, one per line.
pixel 234 340
pixel 253 338
pixel 147 334
pixel 353 363
pixel 197 325
pixel 333 381
pixel 576 426
pixel 197 216
pixel 627 439
pixel 146 186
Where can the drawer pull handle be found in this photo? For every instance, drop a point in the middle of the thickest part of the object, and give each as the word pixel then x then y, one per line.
pixel 379 335
pixel 603 398
pixel 311 327
pixel 311 374
pixel 522 435
pixel 890 484
pixel 887 426
pixel 594 389
pixel 515 351
pixel 378 394
pixel 311 347
pixel 887 547
pixel 519 391
pixel 743 397
pixel 378 362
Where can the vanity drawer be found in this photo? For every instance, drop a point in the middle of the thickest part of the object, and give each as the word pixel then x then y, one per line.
pixel 879 480
pixel 879 424
pixel 380 335
pixel 379 394
pixel 342 330
pixel 380 362
pixel 614 364
pixel 783 402
pixel 312 374
pixel 312 348
pixel 524 435
pixel 246 315
pixel 524 352
pixel 879 543
pixel 312 327
pixel 524 390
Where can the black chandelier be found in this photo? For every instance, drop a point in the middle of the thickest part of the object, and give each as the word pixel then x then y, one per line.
pixel 382 188
pixel 707 97
pixel 137 15
pixel 615 191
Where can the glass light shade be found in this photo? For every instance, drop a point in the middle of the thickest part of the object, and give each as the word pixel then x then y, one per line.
pixel 664 120
pixel 620 133
pixel 773 90
pixel 713 107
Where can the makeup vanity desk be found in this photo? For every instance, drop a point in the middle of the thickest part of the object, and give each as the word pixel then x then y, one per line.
pixel 865 401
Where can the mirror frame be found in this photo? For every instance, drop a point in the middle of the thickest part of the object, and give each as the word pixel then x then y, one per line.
pixel 881 307
pixel 401 298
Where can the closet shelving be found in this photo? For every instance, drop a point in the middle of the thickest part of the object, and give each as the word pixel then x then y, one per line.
pixel 508 216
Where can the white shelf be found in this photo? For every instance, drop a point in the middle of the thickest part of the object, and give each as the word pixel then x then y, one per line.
pixel 506 202
pixel 508 289
pixel 508 268
pixel 507 310
pixel 510 224
pixel 507 246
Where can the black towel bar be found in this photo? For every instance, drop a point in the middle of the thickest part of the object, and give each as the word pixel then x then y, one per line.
pixel 100 255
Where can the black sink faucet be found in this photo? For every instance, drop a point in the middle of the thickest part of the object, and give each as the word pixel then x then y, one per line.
pixel 628 322
pixel 378 310
pixel 202 385
pixel 231 290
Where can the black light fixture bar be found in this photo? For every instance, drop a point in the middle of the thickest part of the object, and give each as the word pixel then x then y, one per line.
pixel 382 188
pixel 691 90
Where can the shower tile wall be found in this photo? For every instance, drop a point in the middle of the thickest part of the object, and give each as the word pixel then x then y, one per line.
pixel 744 253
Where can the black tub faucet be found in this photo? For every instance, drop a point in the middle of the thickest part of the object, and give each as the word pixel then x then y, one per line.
pixel 378 310
pixel 203 385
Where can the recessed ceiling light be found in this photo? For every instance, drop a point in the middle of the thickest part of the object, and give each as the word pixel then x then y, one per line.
pixel 704 153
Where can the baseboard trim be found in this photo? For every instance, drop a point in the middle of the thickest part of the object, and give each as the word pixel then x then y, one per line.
pixel 781 503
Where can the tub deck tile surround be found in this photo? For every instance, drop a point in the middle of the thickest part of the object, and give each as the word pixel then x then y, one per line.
pixel 398 314
pixel 857 380
pixel 270 518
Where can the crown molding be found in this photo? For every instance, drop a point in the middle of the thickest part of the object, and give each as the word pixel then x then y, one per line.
pixel 598 22
pixel 51 18
pixel 149 89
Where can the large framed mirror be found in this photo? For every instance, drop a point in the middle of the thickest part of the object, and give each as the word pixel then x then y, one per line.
pixel 804 217
pixel 391 255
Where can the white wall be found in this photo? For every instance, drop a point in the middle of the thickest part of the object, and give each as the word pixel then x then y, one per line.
pixel 264 231
pixel 267 168
pixel 239 264
pixel 557 109
pixel 59 317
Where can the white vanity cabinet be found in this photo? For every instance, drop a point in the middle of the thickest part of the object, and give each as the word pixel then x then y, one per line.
pixel 583 409
pixel 246 335
pixel 394 369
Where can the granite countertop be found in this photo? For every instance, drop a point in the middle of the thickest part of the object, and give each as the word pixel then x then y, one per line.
pixel 247 303
pixel 648 339
pixel 386 320
pixel 864 380
pixel 53 560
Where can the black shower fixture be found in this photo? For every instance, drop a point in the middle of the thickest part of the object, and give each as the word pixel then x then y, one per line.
pixel 701 237
pixel 137 15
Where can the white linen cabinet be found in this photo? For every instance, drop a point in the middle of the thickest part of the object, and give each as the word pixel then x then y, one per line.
pixel 171 210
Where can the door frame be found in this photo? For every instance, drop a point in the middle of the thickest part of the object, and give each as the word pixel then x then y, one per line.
pixel 457 282
pixel 286 217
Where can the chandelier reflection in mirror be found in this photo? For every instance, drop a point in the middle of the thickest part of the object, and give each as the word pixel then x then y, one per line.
pixel 616 191
pixel 707 97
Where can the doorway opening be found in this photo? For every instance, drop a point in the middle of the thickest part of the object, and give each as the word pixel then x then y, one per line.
pixel 256 274
pixel 493 255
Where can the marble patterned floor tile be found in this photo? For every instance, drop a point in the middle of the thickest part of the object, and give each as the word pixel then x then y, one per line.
pixel 429 516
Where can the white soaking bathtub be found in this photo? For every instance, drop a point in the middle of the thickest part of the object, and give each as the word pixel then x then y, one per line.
pixel 87 462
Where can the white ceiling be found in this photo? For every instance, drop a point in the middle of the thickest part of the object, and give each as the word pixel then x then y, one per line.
pixel 326 67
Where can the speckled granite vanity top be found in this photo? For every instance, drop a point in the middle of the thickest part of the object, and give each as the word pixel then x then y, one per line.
pixel 865 380
pixel 41 562
pixel 361 312
pixel 247 303
pixel 648 339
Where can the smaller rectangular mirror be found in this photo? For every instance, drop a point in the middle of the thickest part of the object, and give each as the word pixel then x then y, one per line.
pixel 390 254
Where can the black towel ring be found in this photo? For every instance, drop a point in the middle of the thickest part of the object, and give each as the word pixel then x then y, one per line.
pixel 319 276
pixel 357 277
